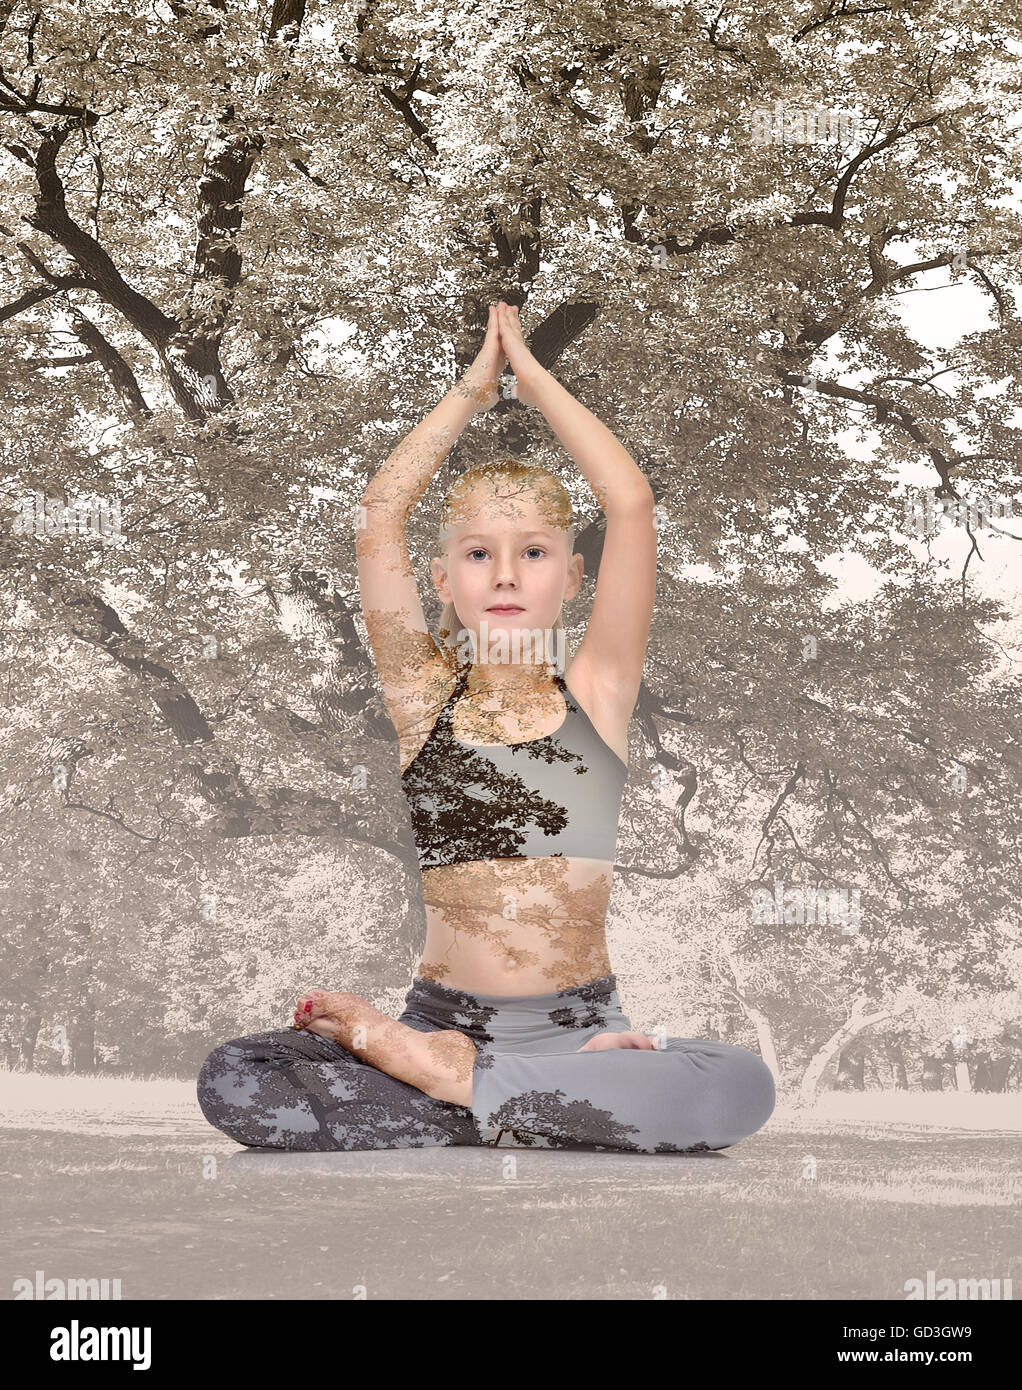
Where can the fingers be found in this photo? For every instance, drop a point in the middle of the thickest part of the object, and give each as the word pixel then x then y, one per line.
pixel 495 326
pixel 492 342
pixel 507 315
pixel 511 336
pixel 639 1042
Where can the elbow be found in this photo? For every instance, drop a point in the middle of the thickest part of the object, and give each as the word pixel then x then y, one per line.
pixel 377 509
pixel 372 494
pixel 635 499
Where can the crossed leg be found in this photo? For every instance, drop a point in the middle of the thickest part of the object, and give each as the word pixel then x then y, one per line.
pixel 294 1089
pixel 291 1089
pixel 692 1094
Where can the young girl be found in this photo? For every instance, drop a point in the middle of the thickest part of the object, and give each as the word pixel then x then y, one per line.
pixel 514 772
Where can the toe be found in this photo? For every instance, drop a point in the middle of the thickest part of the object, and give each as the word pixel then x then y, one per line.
pixel 310 1004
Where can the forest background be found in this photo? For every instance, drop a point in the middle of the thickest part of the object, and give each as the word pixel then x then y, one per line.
pixel 245 247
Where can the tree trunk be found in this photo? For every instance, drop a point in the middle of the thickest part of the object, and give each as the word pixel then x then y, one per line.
pixel 1000 1069
pixel 83 1035
pixel 29 1035
pixel 758 1019
pixel 857 1021
pixel 896 1058
pixel 765 1041
pixel 850 1067
pixel 933 1073
pixel 83 1018
pixel 991 1072
pixel 874 1074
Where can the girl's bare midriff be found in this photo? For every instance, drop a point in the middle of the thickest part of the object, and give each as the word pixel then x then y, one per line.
pixel 516 926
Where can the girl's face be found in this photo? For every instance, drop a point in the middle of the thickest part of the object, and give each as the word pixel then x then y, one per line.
pixel 506 559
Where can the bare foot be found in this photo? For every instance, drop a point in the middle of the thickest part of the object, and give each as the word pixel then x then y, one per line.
pixel 326 1028
pixel 325 1012
pixel 600 1042
pixel 439 1063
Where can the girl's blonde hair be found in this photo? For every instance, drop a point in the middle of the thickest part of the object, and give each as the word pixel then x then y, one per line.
pixel 547 484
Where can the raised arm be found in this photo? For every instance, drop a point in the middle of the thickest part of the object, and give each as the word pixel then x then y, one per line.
pixel 610 657
pixel 414 672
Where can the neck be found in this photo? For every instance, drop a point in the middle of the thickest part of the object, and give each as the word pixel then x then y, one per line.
pixel 512 676
pixel 526 658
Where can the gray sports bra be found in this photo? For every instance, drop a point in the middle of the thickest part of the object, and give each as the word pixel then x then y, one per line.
pixel 559 795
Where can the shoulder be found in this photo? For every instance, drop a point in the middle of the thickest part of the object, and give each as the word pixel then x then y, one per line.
pixel 424 702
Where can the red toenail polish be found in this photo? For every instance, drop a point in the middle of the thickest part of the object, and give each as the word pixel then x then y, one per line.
pixel 308 1007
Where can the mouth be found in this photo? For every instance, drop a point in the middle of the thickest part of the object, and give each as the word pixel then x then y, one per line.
pixel 505 610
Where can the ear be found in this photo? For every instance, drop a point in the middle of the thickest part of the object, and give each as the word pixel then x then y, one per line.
pixel 576 568
pixel 438 573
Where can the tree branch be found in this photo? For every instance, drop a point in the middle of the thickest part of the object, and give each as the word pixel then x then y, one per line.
pixel 37 294
pixel 120 374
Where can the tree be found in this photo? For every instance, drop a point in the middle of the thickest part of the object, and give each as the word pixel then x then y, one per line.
pixel 247 245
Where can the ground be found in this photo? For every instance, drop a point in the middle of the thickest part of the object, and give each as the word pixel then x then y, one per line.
pixel 123 1178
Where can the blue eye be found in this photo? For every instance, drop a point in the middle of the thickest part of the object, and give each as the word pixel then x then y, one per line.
pixel 478 551
pixel 537 548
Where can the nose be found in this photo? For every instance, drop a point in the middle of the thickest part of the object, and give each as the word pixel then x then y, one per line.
pixel 505 575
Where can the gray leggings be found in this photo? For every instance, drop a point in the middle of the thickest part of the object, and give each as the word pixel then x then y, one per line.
pixel 290 1089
